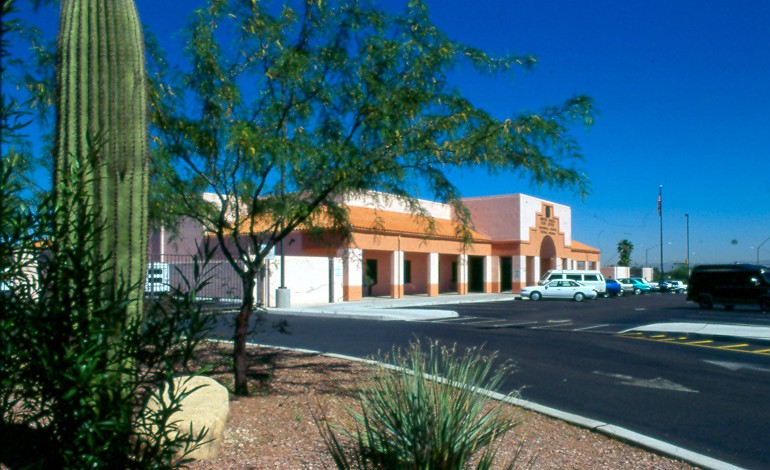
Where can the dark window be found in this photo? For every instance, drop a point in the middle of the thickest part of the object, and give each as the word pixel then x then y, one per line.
pixel 454 271
pixel 407 272
pixel 574 277
pixel 548 212
pixel 370 275
pixel 590 277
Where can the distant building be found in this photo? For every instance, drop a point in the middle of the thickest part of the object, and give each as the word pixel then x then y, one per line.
pixel 516 239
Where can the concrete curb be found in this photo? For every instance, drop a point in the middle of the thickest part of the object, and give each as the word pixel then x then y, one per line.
pixel 380 314
pixel 616 432
pixel 392 310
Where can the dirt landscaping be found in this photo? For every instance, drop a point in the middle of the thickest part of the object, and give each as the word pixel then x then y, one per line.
pixel 274 427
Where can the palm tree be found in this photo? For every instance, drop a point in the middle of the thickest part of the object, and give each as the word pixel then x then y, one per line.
pixel 625 247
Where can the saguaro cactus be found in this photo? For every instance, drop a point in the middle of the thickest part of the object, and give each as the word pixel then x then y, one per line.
pixel 102 92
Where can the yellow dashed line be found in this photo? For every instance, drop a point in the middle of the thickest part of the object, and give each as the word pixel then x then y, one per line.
pixel 762 351
pixel 658 336
pixel 734 346
pixel 705 341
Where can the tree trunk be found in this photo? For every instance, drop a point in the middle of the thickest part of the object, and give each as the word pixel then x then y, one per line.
pixel 241 330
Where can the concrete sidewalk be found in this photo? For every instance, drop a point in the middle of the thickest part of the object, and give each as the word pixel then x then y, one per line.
pixel 709 329
pixel 386 309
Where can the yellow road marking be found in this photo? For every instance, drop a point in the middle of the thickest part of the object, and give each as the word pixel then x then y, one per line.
pixel 733 346
pixel 701 343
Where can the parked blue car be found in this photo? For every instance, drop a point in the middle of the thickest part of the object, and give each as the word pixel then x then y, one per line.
pixel 613 288
pixel 634 285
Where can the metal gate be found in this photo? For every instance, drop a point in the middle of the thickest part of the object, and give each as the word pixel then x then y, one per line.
pixel 177 272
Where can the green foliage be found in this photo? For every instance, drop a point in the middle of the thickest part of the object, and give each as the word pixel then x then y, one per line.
pixel 102 97
pixel 625 248
pixel 76 369
pixel 426 412
pixel 680 271
pixel 281 113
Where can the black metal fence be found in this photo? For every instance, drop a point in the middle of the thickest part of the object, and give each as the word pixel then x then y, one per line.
pixel 167 272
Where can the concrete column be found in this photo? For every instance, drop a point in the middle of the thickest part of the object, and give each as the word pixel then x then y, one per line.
pixel 536 264
pixel 519 276
pixel 492 274
pixel 462 274
pixel 397 275
pixel 558 264
pixel 336 265
pixel 353 274
pixel 433 267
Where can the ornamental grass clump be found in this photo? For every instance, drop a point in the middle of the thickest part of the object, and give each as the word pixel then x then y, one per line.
pixel 426 410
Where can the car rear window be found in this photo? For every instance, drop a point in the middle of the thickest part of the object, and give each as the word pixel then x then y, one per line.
pixel 574 277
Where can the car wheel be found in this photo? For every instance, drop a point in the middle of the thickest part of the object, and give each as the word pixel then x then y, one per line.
pixel 606 295
pixel 535 296
pixel 620 293
pixel 637 291
pixel 705 302
pixel 579 296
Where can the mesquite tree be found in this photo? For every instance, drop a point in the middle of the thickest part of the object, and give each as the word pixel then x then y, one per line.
pixel 282 110
pixel 102 104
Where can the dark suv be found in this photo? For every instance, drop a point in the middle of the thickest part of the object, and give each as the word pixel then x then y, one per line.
pixel 730 285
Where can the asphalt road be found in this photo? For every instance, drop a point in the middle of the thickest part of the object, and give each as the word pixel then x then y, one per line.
pixel 705 394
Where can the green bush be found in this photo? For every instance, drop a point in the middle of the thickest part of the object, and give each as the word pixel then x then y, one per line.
pixel 76 370
pixel 425 412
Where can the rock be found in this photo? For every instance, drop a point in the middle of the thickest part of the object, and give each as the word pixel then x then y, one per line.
pixel 208 406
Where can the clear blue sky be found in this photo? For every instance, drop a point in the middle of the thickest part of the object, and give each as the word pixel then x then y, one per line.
pixel 683 93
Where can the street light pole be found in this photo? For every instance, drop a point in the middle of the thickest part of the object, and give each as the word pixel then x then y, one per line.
pixel 687 259
pixel 660 216
pixel 646 255
pixel 760 246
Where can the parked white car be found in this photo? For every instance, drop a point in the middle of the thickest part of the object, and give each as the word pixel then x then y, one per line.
pixel 560 289
pixel 676 287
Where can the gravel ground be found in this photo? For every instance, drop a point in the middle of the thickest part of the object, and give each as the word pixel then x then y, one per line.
pixel 274 427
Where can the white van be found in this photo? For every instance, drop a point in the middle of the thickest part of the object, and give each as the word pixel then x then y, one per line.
pixel 588 277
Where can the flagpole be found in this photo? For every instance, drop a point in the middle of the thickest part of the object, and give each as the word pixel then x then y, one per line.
pixel 660 216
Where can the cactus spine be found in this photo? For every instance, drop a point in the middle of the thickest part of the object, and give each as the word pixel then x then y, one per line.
pixel 102 96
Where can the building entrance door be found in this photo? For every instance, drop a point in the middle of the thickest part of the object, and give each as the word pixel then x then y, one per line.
pixel 476 273
pixel 506 274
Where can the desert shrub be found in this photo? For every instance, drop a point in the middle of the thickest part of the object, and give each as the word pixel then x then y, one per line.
pixel 76 369
pixel 422 410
